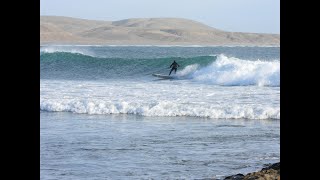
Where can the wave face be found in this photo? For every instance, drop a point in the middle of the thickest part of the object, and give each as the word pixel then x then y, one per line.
pixel 68 65
pixel 213 69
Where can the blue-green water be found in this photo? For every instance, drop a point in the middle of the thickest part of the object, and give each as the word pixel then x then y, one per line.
pixel 94 63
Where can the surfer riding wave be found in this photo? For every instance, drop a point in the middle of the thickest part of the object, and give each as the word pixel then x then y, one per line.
pixel 174 66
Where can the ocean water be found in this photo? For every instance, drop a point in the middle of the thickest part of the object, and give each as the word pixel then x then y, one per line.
pixel 104 116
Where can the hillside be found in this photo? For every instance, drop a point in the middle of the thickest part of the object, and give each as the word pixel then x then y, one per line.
pixel 143 31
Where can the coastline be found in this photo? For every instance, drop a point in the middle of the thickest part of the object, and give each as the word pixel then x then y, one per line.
pixel 154 45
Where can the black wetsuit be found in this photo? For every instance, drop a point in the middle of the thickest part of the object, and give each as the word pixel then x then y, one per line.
pixel 174 66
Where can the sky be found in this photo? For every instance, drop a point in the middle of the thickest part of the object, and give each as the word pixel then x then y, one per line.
pixel 258 16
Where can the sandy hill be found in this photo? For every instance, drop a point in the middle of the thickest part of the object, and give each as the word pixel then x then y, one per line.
pixel 153 31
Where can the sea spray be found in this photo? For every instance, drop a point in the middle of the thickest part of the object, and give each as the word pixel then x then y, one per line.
pixel 230 71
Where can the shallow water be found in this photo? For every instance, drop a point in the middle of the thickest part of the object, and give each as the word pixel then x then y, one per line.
pixel 81 146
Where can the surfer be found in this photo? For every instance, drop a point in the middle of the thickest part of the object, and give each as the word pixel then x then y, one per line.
pixel 174 66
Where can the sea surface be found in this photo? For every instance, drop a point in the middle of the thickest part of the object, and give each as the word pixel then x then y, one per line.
pixel 104 116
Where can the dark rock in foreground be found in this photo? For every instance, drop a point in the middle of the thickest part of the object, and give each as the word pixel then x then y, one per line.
pixel 235 177
pixel 271 172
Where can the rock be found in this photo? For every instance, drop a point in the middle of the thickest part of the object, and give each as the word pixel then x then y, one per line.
pixel 272 172
pixel 275 166
pixel 235 177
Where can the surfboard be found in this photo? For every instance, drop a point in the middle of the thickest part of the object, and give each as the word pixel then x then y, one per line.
pixel 163 76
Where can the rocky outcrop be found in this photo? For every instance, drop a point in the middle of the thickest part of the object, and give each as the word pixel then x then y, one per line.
pixel 272 172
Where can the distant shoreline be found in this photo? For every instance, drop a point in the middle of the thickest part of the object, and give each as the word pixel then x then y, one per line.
pixel 145 31
pixel 150 45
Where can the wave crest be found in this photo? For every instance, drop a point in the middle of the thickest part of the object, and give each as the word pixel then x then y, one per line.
pixel 71 49
pixel 230 71
pixel 162 108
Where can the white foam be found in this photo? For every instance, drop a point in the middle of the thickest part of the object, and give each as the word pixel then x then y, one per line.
pixel 188 70
pixel 161 108
pixel 160 98
pixel 232 71
pixel 71 49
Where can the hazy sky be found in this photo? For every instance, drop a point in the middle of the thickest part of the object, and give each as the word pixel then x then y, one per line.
pixel 261 16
